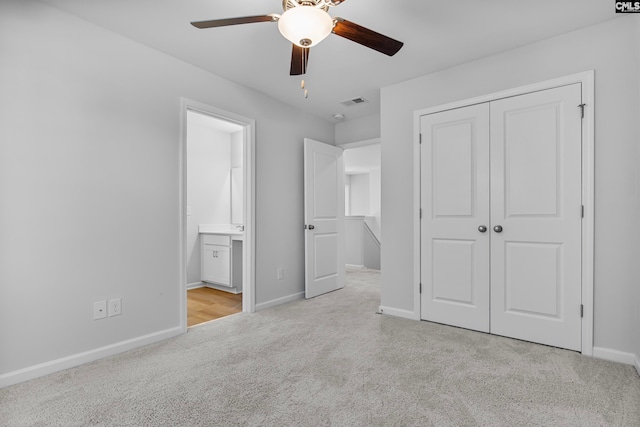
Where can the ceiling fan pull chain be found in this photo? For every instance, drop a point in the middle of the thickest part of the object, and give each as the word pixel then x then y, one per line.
pixel 303 85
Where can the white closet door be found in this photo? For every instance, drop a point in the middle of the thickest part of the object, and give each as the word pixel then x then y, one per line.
pixel 455 203
pixel 536 199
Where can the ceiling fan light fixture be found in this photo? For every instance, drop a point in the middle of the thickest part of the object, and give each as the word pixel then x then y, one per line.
pixel 305 26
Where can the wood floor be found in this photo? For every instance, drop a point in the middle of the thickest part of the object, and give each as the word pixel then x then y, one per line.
pixel 204 304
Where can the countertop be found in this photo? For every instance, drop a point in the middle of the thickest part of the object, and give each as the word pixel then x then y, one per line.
pixel 221 230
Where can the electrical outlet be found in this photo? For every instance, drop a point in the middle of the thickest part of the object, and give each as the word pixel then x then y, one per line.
pixel 99 310
pixel 280 273
pixel 115 307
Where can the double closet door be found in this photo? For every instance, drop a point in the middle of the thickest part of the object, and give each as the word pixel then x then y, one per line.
pixel 501 217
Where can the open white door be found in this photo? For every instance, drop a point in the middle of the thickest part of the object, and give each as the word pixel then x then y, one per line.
pixel 323 218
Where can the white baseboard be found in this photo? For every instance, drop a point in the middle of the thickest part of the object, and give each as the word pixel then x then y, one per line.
pixel 638 364
pixel 615 356
pixel 57 365
pixel 195 285
pixel 278 301
pixel 405 314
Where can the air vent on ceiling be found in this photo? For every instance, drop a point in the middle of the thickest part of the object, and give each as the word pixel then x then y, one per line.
pixel 354 101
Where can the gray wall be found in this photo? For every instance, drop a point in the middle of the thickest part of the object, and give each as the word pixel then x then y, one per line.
pixel 612 50
pixel 359 129
pixel 360 189
pixel 89 162
pixel 353 234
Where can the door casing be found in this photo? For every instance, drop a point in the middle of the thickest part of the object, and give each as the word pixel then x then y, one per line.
pixel 588 183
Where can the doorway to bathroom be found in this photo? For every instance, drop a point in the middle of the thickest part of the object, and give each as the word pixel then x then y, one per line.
pixel 217 213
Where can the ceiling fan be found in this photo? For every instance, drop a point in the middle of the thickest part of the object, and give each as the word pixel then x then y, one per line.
pixel 306 23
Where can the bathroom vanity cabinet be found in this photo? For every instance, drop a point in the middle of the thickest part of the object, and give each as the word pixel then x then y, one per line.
pixel 222 261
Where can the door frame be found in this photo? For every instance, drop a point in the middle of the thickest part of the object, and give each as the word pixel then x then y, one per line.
pixel 249 197
pixel 587 80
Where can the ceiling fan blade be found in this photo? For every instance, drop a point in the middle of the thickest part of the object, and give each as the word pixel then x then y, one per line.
pixel 366 37
pixel 299 60
pixel 234 21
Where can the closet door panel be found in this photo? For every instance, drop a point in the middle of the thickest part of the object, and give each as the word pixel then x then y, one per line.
pixel 455 202
pixel 536 200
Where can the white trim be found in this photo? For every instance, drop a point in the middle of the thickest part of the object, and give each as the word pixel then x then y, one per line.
pixel 248 254
pixel 586 79
pixel 195 285
pixel 583 77
pixel 74 360
pixel 279 301
pixel 417 255
pixel 588 222
pixel 614 355
pixel 397 312
pixel 223 288
pixel 637 364
pixel 182 202
pixel 356 144
pixel 354 265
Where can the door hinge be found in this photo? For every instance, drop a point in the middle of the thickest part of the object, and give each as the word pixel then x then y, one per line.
pixel 419 138
pixel 420 213
pixel 581 106
pixel 420 287
pixel 582 213
pixel 581 310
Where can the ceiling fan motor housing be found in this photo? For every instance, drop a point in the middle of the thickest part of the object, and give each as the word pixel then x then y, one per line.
pixel 290 4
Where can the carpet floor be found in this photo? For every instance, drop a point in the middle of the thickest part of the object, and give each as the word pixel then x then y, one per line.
pixel 332 361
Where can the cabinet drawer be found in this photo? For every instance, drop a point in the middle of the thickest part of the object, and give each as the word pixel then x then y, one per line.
pixel 216 239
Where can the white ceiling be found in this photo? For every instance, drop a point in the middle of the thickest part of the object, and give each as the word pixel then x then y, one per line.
pixel 437 35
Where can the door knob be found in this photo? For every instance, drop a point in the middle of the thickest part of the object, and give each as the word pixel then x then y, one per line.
pixel 497 229
pixel 482 228
pixel 311 227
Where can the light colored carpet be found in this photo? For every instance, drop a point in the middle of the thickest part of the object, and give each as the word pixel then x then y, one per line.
pixel 332 361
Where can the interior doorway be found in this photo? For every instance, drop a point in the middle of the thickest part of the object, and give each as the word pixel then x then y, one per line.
pixel 362 162
pixel 217 213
